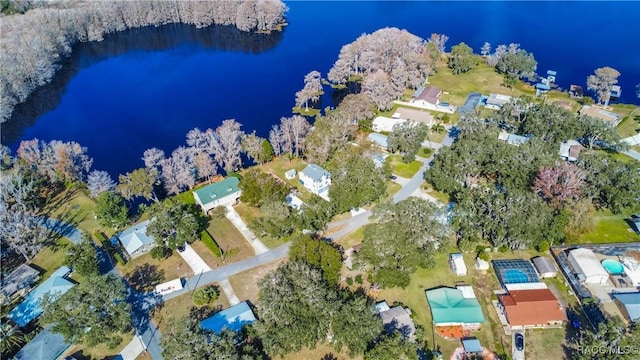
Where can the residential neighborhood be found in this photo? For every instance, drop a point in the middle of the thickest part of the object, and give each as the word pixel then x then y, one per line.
pixel 419 201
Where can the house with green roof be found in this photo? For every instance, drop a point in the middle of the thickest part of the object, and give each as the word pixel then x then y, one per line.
pixel 222 193
pixel 455 306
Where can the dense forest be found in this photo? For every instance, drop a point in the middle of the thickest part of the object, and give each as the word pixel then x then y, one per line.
pixel 34 43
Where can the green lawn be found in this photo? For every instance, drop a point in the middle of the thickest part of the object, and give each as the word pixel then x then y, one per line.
pixel 425 152
pixel 393 188
pixel 436 137
pixel 73 206
pixel 52 257
pixel 401 169
pixel 610 228
pixel 351 239
pixel 483 79
pixel 439 195
pixel 629 126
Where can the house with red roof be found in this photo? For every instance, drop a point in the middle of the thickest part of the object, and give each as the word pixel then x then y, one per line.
pixel 531 308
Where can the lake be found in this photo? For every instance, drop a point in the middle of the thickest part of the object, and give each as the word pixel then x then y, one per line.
pixel 146 88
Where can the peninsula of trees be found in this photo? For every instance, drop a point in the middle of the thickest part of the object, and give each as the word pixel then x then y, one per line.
pixel 34 43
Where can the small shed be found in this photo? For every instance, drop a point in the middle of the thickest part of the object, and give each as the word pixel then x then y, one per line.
pixel 472 346
pixel 544 266
pixel 290 174
pixel 456 261
pixel 482 265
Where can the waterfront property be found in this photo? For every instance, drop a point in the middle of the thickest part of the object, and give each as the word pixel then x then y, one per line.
pixel 427 96
pixel 135 240
pixel 496 101
pixel 609 117
pixel 316 179
pixel 55 286
pixel 531 308
pixel 233 318
pixel 386 124
pixel 222 193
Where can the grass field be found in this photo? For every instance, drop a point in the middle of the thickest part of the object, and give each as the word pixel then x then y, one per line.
pixel 610 228
pixel 482 79
pixel 234 246
pixel 629 126
pixel 245 284
pixel 82 351
pixel 392 188
pixel 73 206
pixel 439 195
pixel 51 258
pixel 401 169
pixel 183 306
pixel 351 239
pixel 145 272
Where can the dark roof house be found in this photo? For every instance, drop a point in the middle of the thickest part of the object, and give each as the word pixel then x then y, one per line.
pixel 397 318
pixel 20 278
pixel 629 304
pixel 544 266
pixel 429 94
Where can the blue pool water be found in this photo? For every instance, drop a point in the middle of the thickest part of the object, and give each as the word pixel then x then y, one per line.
pixel 612 266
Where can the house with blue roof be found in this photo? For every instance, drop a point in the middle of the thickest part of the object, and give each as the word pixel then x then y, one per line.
pixel 47 345
pixel 135 240
pixel 233 318
pixel 316 179
pixel 629 304
pixel 222 193
pixel 55 286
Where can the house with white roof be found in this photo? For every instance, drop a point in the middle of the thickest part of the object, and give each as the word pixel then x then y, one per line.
pixel 135 240
pixel 222 193
pixel 496 101
pixel 316 179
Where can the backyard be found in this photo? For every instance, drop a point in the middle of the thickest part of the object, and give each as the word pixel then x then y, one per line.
pixel 610 228
pixel 402 169
pixel 145 272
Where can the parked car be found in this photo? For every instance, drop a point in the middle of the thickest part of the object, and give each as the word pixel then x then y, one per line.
pixel 519 342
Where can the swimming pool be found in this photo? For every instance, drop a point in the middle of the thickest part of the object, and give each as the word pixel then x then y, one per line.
pixel 612 266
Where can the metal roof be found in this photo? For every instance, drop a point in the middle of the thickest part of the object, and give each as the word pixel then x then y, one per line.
pixel 449 306
pixel 315 172
pixel 218 190
pixel 233 318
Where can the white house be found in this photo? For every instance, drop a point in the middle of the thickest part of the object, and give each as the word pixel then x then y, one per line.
pixel 135 240
pixel 456 261
pixel 496 101
pixel 316 179
pixel 290 174
pixel 223 193
pixel 386 124
pixel 429 96
pixel 587 267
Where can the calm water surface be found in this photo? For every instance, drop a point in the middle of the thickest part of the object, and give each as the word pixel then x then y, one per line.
pixel 148 87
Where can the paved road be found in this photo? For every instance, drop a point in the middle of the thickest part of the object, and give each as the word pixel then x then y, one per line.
pixel 224 272
pixel 354 223
pixel 634 154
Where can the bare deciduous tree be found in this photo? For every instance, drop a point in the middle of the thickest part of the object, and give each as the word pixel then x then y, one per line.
pixel 276 138
pixel 559 184
pixel 152 158
pixel 439 40
pixel 601 82
pixel 485 49
pixel 294 132
pixel 377 87
pixel 228 145
pixel 99 182
pixel 252 146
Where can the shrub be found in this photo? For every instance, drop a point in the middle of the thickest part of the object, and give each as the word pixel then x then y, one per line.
pixel 218 212
pixel 359 279
pixel 503 248
pixel 208 241
pixel 205 295
pixel 160 252
pixel 349 281
pixel 119 259
pixel 586 100
pixel 484 256
pixel 543 246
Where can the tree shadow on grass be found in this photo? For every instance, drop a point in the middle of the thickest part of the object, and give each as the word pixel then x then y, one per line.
pixel 145 277
pixel 200 313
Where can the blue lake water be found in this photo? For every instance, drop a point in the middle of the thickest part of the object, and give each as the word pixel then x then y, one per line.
pixel 147 87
